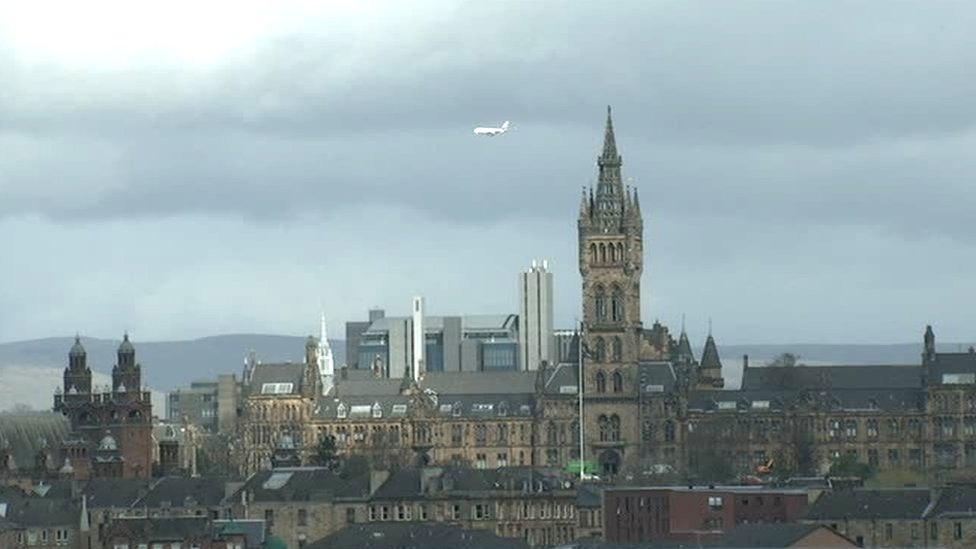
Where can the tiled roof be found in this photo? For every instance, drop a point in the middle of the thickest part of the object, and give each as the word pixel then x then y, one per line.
pixel 908 503
pixel 831 399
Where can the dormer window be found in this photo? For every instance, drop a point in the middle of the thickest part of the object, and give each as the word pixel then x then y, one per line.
pixel 377 411
pixel 503 408
pixel 456 409
pixel 341 411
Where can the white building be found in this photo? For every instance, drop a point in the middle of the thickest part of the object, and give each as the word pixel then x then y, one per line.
pixel 536 342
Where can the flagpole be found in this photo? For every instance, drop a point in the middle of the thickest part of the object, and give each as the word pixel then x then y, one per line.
pixel 579 392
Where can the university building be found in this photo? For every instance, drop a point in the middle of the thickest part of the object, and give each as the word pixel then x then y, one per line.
pixel 649 403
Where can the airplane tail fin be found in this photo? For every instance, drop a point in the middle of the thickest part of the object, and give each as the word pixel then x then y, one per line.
pixel 505 125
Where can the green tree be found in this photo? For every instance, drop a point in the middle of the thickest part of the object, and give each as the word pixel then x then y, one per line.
pixel 325 453
pixel 848 466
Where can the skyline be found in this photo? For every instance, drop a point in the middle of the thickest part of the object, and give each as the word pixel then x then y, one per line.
pixel 816 192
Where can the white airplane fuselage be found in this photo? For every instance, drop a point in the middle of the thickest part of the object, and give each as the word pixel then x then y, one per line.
pixel 492 131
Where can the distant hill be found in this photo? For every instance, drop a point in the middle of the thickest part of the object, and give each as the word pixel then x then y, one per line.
pixel 166 364
pixel 171 364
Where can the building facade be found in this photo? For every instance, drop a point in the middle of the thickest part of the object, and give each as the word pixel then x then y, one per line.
pixel 111 428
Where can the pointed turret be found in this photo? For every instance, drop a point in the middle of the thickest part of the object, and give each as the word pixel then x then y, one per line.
pixel 684 353
pixel 710 358
pixel 928 355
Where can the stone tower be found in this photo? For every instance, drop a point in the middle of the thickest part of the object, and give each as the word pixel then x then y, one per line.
pixel 611 260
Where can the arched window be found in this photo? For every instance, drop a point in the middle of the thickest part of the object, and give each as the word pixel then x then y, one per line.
pixel 614 428
pixel 551 434
pixel 592 254
pixel 620 252
pixel 601 304
pixel 604 424
pixel 618 382
pixel 669 431
pixel 613 253
pixel 601 382
pixel 617 304
pixel 603 253
pixel 647 431
pixel 618 349
pixel 480 434
pixel 601 350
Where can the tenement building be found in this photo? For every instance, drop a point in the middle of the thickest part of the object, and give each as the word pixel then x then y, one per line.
pixel 648 403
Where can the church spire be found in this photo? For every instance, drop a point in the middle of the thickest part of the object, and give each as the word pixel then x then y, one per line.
pixel 610 197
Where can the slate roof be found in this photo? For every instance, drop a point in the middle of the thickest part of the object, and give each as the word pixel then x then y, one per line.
pixel 660 374
pixel 303 484
pixel 562 379
pixel 183 492
pixel 159 529
pixel 684 348
pixel 589 495
pixel 114 492
pixel 903 400
pixel 406 483
pixel 277 373
pixel 830 377
pixel 460 383
pixel 902 503
pixel 414 536
pixel 328 407
pixel 486 405
pixel 772 535
pixel 30 511
pixel 952 363
pixel 954 501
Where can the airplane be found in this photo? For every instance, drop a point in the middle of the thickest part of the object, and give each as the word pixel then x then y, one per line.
pixel 491 132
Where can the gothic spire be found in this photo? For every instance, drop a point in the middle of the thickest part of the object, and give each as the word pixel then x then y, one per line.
pixel 609 155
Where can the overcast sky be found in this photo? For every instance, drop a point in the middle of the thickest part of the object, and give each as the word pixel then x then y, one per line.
pixel 806 169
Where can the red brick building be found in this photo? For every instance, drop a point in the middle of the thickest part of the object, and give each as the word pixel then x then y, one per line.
pixel 694 512
pixel 110 429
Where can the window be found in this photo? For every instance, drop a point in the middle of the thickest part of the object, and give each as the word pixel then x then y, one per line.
pixel 481 461
pixel 422 512
pixel 618 382
pixel 601 382
pixel 457 432
pixel 601 350
pixel 615 428
pixel 601 304
pixel 503 460
pixel 914 531
pixel 617 305
pixel 456 512
pixel 403 512
pixel 873 428
pixel 715 502
pixel 302 517
pixel 481 434
pixel 957 530
pixel 834 428
pixel 351 515
pixel 480 511
pixel 269 517
pixel 873 457
pixel 850 428
pixel 934 531
pixel 384 512
pixel 888 531
pixel 502 434
pixel 618 350
pixel 669 431
pixel 893 457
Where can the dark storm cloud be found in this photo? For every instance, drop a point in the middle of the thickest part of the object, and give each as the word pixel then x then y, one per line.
pixel 795 148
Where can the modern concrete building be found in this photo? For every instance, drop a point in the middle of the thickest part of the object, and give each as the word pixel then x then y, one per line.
pixel 536 342
pixel 419 346
pixel 354 333
pixel 450 344
pixel 212 405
